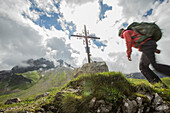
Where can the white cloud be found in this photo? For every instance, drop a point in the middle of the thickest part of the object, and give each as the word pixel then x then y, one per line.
pixel 13 9
pixel 21 38
pixel 161 17
pixel 85 14
pixel 18 43
pixel 46 5
pixel 135 8
pixel 61 49
pixel 79 2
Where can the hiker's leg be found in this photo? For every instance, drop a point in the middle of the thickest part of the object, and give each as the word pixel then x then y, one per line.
pixel 148 48
pixel 146 71
pixel 164 69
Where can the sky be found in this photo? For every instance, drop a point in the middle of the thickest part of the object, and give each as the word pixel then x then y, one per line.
pixel 43 28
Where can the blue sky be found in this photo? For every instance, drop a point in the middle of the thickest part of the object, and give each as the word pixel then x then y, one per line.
pixel 49 19
pixel 42 28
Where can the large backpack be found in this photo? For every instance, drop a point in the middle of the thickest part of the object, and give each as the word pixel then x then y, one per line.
pixel 148 30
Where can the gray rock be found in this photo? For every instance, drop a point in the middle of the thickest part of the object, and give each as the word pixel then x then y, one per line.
pixel 106 108
pixel 92 102
pixel 74 90
pixel 149 97
pixel 13 100
pixel 139 101
pixel 157 100
pixel 33 65
pixel 90 68
pixel 140 109
pixel 59 95
pixel 101 102
pixel 129 106
pixel 42 95
pixel 102 107
pixel 162 107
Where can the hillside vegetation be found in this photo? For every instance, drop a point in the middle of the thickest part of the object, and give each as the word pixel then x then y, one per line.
pixel 41 82
pixel 87 93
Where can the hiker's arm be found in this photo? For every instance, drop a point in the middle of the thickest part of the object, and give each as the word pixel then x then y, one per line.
pixel 128 40
pixel 158 51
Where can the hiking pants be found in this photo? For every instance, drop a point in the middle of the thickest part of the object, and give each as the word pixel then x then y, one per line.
pixel 148 57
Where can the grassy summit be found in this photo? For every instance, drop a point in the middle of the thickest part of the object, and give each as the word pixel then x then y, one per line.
pixel 76 95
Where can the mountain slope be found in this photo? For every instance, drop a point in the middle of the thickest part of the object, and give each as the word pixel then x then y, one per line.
pixel 103 92
pixel 41 82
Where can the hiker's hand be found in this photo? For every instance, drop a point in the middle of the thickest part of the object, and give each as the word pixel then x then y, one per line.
pixel 157 51
pixel 129 59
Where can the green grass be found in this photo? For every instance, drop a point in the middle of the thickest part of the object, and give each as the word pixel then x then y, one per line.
pixel 50 80
pixel 33 75
pixel 142 84
pixel 30 104
pixel 112 87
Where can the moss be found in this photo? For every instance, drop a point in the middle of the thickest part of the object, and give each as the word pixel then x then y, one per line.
pixel 70 103
pixel 110 87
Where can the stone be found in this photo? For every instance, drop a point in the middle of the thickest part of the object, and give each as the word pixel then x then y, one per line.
pixel 129 106
pixel 162 107
pixel 32 65
pixel 140 109
pixel 139 101
pixel 101 102
pixel 73 90
pixel 42 95
pixel 13 100
pixel 106 108
pixel 157 100
pixel 59 95
pixel 90 68
pixel 92 102
pixel 149 97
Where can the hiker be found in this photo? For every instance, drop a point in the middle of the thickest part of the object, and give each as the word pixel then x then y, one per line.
pixel 148 47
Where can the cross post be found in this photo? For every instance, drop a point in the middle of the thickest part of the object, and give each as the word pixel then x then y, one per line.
pixel 86 40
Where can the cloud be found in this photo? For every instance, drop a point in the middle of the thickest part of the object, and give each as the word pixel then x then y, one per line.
pixel 62 50
pixel 41 28
pixel 78 2
pixel 21 39
pixel 18 43
pixel 135 7
pixel 161 17
pixel 119 62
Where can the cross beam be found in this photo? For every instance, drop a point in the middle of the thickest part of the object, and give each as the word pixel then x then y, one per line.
pixel 86 40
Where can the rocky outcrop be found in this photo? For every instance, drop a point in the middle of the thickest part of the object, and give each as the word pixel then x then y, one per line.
pixel 13 100
pixel 145 105
pixel 139 105
pixel 5 75
pixel 32 65
pixel 8 79
pixel 42 95
pixel 90 68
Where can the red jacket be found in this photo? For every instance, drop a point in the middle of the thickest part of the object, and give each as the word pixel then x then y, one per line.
pixel 127 34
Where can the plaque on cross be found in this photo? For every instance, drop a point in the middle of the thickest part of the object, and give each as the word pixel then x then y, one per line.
pixel 86 41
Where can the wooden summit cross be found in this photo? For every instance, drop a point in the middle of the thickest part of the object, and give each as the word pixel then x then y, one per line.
pixel 86 40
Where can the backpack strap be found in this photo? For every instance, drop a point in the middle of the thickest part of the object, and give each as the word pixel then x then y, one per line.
pixel 141 39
